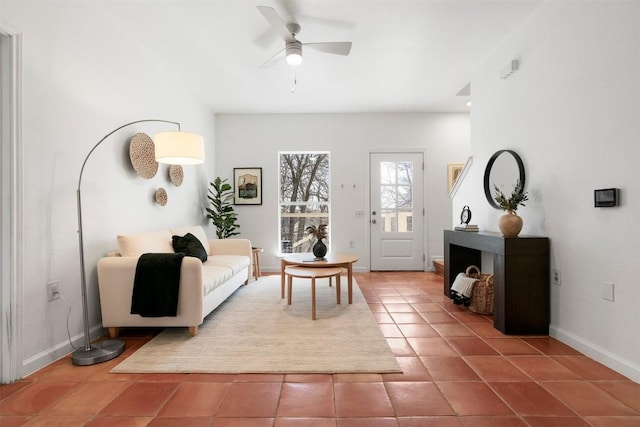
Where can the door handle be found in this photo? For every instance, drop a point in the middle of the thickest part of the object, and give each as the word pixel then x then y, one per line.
pixel 373 221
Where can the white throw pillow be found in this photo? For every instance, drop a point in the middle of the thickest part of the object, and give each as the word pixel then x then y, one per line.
pixel 197 231
pixel 134 245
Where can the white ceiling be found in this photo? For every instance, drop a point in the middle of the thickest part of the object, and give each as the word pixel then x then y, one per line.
pixel 407 55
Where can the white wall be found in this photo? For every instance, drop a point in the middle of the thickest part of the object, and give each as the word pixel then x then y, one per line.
pixel 74 93
pixel 255 140
pixel 85 72
pixel 572 113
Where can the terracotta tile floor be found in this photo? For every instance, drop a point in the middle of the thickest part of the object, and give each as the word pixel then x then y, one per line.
pixel 457 371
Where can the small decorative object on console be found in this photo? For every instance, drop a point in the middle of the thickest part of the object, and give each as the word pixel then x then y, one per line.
pixel 465 217
pixel 467 227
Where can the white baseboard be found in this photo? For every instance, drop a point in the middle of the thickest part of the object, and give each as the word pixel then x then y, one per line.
pixel 625 367
pixel 58 351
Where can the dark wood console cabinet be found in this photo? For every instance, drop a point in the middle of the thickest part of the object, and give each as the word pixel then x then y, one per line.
pixel 521 276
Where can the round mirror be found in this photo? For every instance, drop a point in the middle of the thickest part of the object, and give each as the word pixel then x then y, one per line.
pixel 504 169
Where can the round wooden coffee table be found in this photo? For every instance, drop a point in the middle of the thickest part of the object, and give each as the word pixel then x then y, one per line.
pixel 313 274
pixel 330 260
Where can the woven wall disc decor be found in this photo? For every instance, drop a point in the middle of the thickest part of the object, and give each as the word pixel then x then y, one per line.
pixel 161 196
pixel 143 156
pixel 176 175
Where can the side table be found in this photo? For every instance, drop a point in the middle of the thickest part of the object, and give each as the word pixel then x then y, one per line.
pixel 255 262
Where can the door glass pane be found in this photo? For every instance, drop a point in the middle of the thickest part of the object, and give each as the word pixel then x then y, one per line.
pixel 387 173
pixel 405 172
pixel 388 197
pixel 396 196
pixel 405 220
pixel 404 197
pixel 388 221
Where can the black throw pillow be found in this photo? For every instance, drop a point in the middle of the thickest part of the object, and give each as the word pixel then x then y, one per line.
pixel 189 245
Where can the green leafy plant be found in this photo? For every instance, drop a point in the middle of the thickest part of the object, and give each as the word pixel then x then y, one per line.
pixel 319 232
pixel 221 212
pixel 518 196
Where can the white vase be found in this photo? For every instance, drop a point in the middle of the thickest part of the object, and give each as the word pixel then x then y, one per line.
pixel 510 224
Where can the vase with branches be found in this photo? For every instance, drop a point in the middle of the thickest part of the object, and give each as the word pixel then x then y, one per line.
pixel 320 233
pixel 510 223
pixel 221 211
pixel 517 198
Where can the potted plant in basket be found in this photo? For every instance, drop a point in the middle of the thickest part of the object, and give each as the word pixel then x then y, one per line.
pixel 221 211
pixel 510 223
pixel 319 232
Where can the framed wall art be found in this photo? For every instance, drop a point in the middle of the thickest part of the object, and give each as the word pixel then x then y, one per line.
pixel 453 172
pixel 247 183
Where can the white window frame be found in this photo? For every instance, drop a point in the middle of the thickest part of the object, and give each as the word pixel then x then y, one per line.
pixel 281 203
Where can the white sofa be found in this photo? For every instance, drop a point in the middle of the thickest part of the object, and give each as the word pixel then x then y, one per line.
pixel 203 285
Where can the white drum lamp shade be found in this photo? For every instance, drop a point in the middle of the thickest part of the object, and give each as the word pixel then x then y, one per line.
pixel 179 148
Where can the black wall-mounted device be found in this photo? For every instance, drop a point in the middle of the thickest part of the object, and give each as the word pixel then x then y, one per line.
pixel 606 197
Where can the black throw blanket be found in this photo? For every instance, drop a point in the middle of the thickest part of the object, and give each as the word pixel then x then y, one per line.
pixel 156 285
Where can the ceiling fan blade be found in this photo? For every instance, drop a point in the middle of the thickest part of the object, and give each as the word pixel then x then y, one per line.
pixel 291 8
pixel 275 58
pixel 276 22
pixel 337 48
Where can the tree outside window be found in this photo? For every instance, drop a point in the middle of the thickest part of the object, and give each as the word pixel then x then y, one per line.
pixel 304 198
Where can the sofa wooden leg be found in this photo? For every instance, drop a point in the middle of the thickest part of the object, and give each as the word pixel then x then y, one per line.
pixel 113 332
pixel 193 330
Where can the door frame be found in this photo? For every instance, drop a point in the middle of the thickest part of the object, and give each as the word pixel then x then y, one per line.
pixel 11 211
pixel 424 197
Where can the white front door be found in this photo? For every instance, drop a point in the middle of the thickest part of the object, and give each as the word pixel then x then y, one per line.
pixel 397 211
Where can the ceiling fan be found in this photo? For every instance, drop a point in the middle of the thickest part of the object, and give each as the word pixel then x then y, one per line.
pixel 293 47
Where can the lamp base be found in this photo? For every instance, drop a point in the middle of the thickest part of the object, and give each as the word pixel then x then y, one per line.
pixel 99 352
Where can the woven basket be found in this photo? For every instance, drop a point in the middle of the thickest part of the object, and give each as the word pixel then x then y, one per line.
pixel 482 296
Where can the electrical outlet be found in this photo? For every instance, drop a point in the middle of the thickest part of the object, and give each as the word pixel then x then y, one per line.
pixel 556 277
pixel 53 290
pixel 607 291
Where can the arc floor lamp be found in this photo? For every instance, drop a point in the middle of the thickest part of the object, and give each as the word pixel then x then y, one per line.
pixel 171 147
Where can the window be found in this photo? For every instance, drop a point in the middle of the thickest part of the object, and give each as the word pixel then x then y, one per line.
pixel 304 198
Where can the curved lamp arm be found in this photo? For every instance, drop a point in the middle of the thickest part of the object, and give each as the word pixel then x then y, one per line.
pixel 107 350
pixel 114 131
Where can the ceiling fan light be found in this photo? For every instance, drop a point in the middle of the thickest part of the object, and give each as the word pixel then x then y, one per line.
pixel 294 52
pixel 294 59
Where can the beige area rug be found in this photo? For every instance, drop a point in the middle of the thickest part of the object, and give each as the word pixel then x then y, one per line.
pixel 255 331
